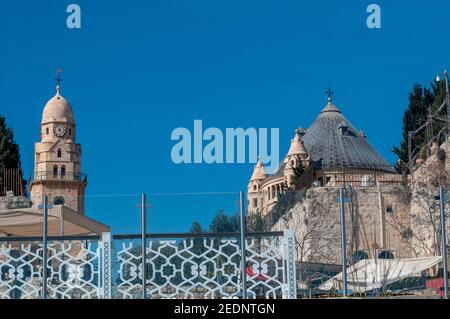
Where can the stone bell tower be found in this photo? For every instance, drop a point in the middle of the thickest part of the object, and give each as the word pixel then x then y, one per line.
pixel 57 164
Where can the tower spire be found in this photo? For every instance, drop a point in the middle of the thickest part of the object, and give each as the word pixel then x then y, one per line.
pixel 58 79
pixel 330 94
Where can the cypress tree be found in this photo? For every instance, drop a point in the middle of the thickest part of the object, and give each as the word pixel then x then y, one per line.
pixel 422 100
pixel 9 152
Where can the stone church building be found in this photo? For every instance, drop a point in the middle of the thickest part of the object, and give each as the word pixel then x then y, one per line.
pixel 387 215
pixel 331 152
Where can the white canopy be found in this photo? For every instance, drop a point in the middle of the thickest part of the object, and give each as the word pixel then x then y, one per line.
pixel 368 274
pixel 27 222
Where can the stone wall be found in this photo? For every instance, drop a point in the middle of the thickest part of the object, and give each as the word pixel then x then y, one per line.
pixel 401 219
pixel 376 219
pixel 12 202
pixel 425 180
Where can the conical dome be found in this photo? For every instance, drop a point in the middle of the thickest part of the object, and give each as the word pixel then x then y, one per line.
pixel 57 109
pixel 259 172
pixel 330 107
pixel 297 147
pixel 332 141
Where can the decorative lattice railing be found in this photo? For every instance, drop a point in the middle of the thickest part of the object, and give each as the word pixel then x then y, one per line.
pixel 177 266
pixel 73 268
pixel 205 266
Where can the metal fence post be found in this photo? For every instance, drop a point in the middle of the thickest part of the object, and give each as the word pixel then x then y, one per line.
pixel 290 255
pixel 106 265
pixel 442 199
pixel 144 244
pixel 44 208
pixel 343 242
pixel 243 247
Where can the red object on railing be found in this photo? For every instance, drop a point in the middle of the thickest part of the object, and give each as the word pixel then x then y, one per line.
pixel 250 273
pixel 436 284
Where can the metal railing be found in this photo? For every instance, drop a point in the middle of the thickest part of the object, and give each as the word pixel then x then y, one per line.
pixel 59 176
pixel 11 182
pixel 359 176
pixel 178 265
pixel 74 267
pixel 205 266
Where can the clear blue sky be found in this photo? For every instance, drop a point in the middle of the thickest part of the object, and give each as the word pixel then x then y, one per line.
pixel 138 69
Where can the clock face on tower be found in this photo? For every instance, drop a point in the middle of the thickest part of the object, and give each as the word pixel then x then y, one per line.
pixel 59 130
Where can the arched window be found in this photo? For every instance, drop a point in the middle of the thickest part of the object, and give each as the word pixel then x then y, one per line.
pixel 59 153
pixel 47 131
pixel 70 132
pixel 321 181
pixel 343 128
pixel 55 171
pixel 58 201
pixel 359 255
pixel 63 171
pixel 385 254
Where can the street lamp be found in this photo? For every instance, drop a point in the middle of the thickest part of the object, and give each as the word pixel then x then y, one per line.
pixel 447 98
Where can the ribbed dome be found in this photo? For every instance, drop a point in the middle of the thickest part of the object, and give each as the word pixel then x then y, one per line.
pixel 332 141
pixel 57 109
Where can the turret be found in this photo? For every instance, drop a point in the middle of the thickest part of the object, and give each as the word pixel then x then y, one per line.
pixel 296 157
pixel 255 197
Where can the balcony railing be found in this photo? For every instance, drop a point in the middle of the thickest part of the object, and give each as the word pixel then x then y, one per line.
pixel 59 176
pixel 360 176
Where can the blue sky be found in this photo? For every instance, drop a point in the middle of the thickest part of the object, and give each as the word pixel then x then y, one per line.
pixel 137 70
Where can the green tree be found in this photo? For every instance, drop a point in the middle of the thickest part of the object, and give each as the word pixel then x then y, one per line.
pixel 223 223
pixel 256 223
pixel 198 245
pixel 422 101
pixel 299 169
pixel 9 151
pixel 196 228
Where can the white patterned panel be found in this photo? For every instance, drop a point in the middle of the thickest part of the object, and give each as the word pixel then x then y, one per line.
pixel 184 268
pixel 193 267
pixel 202 268
pixel 265 267
pixel 20 270
pixel 72 271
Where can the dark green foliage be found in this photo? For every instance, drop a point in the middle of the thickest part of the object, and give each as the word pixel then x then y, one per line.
pixel 196 228
pixel 299 169
pixel 220 224
pixel 223 223
pixel 9 150
pixel 255 223
pixel 422 101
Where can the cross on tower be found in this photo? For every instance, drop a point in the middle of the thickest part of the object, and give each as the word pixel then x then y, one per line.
pixel 330 94
pixel 58 76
